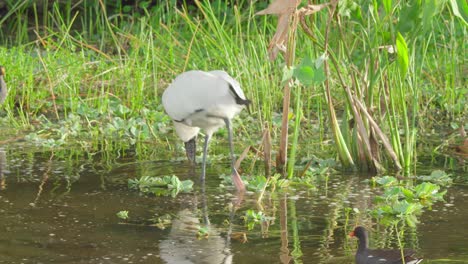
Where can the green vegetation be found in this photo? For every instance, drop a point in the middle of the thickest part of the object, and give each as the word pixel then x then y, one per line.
pixel 402 201
pixel 123 215
pixel 251 218
pixel 165 186
pixel 203 232
pixel 365 83
pixel 90 73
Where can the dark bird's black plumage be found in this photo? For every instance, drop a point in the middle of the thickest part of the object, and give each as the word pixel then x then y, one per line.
pixel 365 255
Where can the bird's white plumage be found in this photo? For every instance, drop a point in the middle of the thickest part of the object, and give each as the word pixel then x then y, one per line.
pixel 185 132
pixel 198 99
pixel 235 84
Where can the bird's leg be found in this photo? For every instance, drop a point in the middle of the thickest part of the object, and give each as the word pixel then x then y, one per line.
pixel 205 154
pixel 191 149
pixel 236 179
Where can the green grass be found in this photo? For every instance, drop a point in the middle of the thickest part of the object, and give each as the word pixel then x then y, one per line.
pixel 78 73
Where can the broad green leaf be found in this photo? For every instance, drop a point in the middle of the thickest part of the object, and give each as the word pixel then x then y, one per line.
pixel 439 177
pixel 393 193
pixel 386 180
pixel 407 193
pixel 305 74
pixel 426 189
pixel 310 71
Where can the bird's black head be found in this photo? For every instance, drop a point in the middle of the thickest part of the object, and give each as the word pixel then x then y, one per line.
pixel 359 232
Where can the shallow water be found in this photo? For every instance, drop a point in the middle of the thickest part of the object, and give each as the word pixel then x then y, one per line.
pixel 55 209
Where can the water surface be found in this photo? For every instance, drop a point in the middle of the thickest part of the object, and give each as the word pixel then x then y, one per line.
pixel 60 209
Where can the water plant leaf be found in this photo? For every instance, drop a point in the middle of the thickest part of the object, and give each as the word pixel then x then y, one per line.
pixel 386 181
pixel 123 215
pixel 257 183
pixel 161 186
pixel 409 194
pixel 404 202
pixel 393 193
pixel 251 218
pixel 402 55
pixel 429 192
pixel 439 177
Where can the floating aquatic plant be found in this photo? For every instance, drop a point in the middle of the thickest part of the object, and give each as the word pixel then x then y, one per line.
pixel 401 201
pixel 161 186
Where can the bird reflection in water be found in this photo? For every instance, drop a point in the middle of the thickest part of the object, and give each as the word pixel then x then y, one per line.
pixel 185 245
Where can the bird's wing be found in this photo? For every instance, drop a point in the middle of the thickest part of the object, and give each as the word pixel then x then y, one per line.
pixel 235 84
pixel 195 91
pixel 392 255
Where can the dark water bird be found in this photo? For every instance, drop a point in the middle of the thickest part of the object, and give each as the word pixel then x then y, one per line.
pixel 3 87
pixel 364 255
pixel 204 100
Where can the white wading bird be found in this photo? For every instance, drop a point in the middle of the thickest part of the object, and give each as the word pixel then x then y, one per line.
pixel 204 100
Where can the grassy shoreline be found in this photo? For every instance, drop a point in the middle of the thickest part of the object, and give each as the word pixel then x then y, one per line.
pixel 104 81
